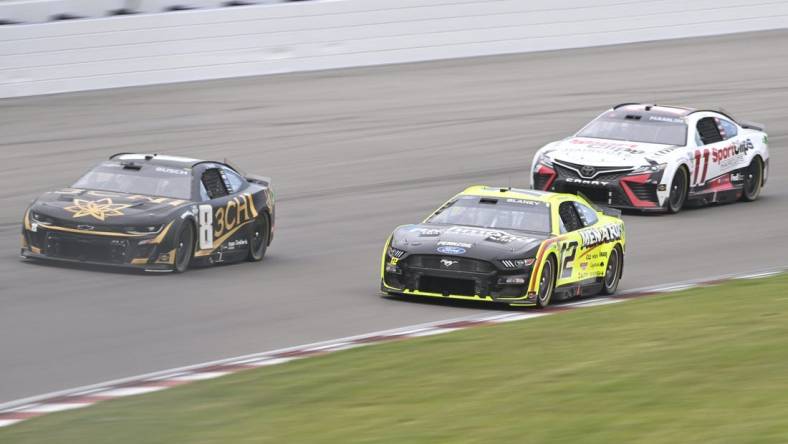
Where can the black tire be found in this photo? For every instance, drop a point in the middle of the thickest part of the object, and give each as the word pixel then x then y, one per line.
pixel 258 238
pixel 184 247
pixel 612 271
pixel 546 283
pixel 753 180
pixel 679 188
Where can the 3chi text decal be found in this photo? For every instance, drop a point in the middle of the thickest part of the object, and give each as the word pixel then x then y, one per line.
pixel 233 213
pixel 215 223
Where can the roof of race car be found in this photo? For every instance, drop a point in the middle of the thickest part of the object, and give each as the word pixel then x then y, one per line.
pixel 513 193
pixel 641 108
pixel 674 112
pixel 163 160
pixel 157 159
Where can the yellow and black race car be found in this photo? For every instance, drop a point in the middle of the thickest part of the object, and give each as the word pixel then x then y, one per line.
pixel 152 212
pixel 513 246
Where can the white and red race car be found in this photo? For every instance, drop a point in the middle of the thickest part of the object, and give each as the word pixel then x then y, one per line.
pixel 657 158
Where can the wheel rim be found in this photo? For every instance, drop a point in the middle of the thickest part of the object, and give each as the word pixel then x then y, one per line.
pixel 183 251
pixel 752 179
pixel 258 238
pixel 678 189
pixel 612 270
pixel 546 283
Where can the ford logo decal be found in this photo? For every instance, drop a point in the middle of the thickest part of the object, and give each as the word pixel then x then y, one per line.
pixel 451 250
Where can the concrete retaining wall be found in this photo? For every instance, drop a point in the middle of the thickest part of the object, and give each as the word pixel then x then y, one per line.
pixel 121 51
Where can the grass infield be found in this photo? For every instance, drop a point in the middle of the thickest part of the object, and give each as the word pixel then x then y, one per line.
pixel 706 365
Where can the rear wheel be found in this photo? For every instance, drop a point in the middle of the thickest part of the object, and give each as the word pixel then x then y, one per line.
pixel 546 283
pixel 258 238
pixel 184 248
pixel 753 179
pixel 678 190
pixel 612 272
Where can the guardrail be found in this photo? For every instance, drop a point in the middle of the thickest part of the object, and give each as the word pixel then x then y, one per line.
pixel 42 11
pixel 76 55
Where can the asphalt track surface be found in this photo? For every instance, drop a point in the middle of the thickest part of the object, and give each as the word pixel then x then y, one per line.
pixel 353 154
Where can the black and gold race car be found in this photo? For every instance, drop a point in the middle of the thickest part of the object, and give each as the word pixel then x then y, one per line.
pixel 155 213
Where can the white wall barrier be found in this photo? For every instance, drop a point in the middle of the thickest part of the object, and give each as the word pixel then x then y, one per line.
pixel 42 11
pixel 181 46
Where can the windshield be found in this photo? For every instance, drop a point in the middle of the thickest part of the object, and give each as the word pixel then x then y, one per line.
pixel 498 213
pixel 150 180
pixel 644 129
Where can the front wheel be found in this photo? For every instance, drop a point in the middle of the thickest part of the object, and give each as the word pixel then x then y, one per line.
pixel 546 283
pixel 184 247
pixel 612 272
pixel 258 238
pixel 678 190
pixel 753 179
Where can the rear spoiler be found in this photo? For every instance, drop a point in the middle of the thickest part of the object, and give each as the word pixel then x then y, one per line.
pixel 232 165
pixel 607 211
pixel 743 123
pixel 260 180
pixel 752 125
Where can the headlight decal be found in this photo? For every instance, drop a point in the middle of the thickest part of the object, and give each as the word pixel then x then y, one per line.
pixel 40 218
pixel 517 263
pixel 160 237
pixel 395 253
pixel 653 168
pixel 143 230
pixel 543 159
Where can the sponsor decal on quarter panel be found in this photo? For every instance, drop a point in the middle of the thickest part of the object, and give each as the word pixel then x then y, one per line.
pixel 601 235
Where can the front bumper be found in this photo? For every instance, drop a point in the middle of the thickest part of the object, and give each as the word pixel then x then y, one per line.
pixel 150 267
pixel 148 252
pixel 625 191
pixel 484 284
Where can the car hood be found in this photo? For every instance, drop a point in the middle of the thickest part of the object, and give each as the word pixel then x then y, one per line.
pixel 611 153
pixel 105 208
pixel 458 240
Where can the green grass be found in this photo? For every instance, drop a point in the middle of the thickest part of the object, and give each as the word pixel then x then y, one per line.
pixel 707 366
